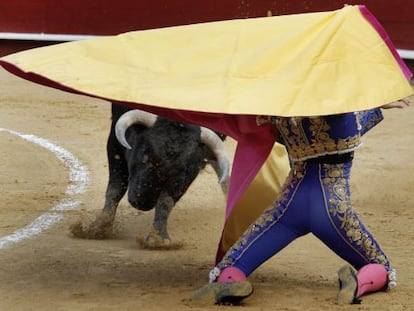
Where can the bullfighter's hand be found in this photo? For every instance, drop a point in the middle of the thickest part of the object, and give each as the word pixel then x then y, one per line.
pixel 405 102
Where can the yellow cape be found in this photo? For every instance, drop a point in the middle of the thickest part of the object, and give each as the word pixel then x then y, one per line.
pixel 302 64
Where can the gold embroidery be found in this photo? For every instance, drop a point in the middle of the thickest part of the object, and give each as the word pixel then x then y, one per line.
pixel 343 217
pixel 302 145
pixel 269 217
pixel 339 207
pixel 367 119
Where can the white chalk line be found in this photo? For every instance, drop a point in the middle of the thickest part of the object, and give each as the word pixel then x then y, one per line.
pixel 79 179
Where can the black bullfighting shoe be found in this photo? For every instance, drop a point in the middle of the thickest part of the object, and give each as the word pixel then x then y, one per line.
pixel 222 293
pixel 348 286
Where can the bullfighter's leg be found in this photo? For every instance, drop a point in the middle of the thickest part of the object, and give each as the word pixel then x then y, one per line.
pixel 316 198
pixel 342 230
pixel 337 225
pixel 278 225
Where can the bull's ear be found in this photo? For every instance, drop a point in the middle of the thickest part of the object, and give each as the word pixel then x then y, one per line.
pixel 129 118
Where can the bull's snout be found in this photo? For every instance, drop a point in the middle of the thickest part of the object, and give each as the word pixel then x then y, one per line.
pixel 139 203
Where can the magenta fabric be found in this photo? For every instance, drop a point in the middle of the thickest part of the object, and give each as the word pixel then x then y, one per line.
pixel 381 31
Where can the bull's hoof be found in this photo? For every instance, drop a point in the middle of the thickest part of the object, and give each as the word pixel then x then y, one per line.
pixel 155 241
pixel 101 228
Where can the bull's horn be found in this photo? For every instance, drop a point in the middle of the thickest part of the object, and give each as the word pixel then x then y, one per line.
pixel 129 118
pixel 213 141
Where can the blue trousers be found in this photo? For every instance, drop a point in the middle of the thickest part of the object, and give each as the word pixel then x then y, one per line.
pixel 315 199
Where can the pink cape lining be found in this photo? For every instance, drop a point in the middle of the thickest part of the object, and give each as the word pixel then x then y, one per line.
pixel 385 37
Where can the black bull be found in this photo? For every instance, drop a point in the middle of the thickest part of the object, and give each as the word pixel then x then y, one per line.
pixel 155 160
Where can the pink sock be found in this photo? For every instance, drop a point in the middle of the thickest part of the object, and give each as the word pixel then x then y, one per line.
pixel 231 274
pixel 371 278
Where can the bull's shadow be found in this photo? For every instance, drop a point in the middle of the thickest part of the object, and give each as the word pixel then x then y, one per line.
pixel 155 160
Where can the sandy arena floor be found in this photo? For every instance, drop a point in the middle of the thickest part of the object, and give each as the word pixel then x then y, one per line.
pixel 54 271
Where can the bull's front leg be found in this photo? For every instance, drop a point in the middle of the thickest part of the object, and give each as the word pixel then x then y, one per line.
pixel 102 226
pixel 158 237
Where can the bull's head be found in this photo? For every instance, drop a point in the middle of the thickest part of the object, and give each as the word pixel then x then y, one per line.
pixel 207 137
